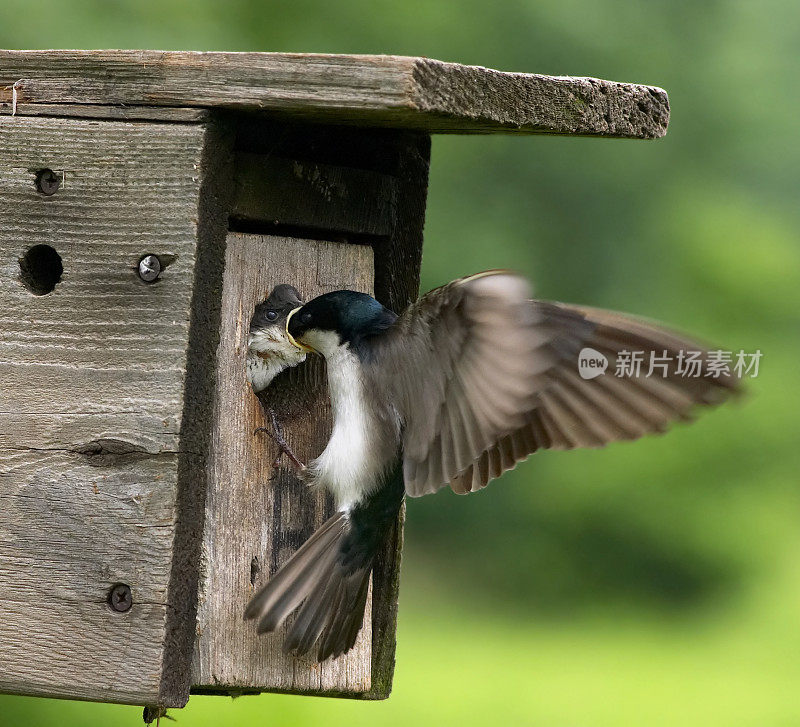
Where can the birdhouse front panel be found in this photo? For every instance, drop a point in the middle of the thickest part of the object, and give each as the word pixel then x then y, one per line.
pixel 93 365
pixel 258 510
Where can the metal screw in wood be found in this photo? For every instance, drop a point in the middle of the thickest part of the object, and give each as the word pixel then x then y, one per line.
pixel 149 268
pixel 120 598
pixel 48 182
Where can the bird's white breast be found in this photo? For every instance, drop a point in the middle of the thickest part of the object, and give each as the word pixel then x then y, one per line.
pixel 260 372
pixel 354 459
pixel 269 352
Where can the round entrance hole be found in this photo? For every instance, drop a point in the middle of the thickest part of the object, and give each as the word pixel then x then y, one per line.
pixel 40 269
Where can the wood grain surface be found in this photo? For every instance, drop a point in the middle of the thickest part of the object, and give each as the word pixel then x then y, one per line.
pixel 367 90
pixel 91 403
pixel 313 195
pixel 257 516
pixel 109 383
pixel 118 113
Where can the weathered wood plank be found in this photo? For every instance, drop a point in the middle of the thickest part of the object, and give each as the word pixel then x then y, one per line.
pixel 93 451
pixel 396 91
pixel 116 113
pixel 402 157
pixel 309 194
pixel 216 175
pixel 256 517
pixel 136 644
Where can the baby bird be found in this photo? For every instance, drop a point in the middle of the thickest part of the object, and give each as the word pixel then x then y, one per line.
pixel 269 350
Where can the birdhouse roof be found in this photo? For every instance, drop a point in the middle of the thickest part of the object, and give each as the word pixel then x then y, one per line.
pixel 365 90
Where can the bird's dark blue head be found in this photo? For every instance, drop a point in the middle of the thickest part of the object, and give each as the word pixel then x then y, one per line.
pixel 333 319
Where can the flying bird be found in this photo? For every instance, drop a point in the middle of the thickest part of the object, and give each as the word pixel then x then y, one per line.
pixel 467 382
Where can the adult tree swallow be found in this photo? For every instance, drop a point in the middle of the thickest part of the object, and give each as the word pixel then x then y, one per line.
pixel 466 383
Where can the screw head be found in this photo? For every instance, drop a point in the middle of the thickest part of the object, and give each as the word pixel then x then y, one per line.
pixel 47 182
pixel 120 598
pixel 149 268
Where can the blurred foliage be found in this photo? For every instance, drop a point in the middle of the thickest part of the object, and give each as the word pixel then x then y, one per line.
pixel 649 583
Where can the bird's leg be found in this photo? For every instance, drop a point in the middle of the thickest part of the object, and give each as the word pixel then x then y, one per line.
pixel 276 434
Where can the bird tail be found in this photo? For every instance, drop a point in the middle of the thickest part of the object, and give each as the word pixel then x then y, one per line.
pixel 328 584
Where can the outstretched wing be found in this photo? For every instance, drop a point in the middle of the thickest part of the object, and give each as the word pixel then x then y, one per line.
pixel 482 377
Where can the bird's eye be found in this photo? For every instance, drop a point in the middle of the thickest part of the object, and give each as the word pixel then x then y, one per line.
pixel 272 315
pixel 305 318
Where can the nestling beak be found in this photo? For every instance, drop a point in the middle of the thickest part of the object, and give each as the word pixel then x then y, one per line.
pixel 301 346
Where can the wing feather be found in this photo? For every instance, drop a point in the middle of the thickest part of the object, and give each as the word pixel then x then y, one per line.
pixel 482 377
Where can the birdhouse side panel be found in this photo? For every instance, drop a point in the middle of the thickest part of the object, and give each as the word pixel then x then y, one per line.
pixel 93 362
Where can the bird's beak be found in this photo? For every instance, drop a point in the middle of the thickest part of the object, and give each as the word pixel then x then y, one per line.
pixel 301 346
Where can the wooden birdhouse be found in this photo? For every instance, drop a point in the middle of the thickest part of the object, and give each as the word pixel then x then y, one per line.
pixel 148 201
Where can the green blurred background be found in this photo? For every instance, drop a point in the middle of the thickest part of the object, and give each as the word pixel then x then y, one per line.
pixel 654 583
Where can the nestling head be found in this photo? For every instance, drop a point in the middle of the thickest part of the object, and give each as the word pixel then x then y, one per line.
pixel 273 311
pixel 342 317
pixel 269 350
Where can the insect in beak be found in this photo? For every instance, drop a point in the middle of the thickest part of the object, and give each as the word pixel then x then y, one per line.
pixel 299 345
